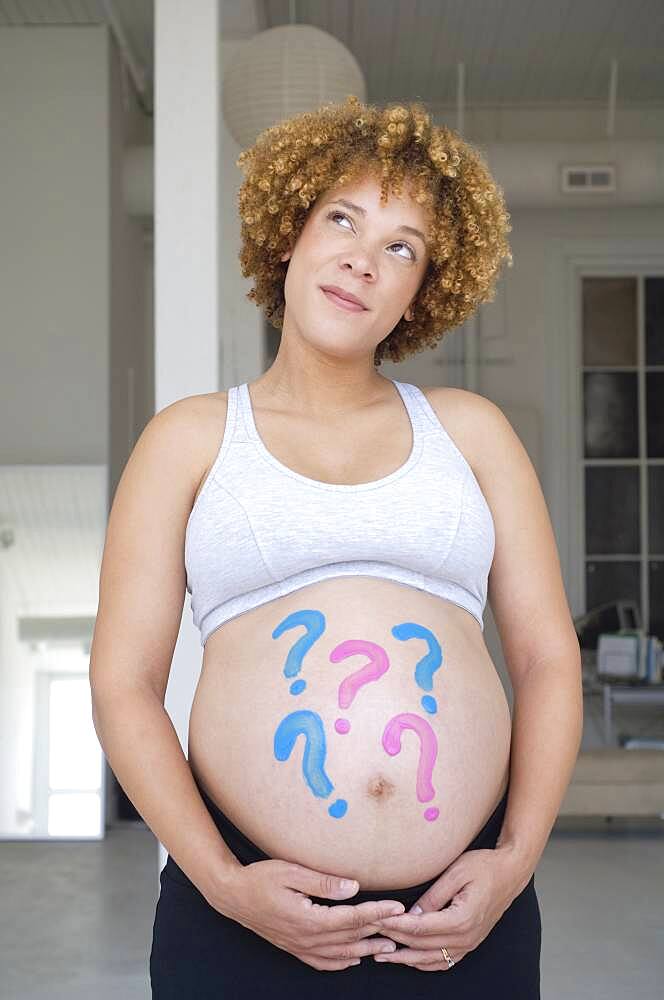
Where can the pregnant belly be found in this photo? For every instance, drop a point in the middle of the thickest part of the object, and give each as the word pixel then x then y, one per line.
pixel 356 726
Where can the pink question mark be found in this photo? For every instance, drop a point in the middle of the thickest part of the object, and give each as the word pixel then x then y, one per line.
pixel 375 668
pixel 428 753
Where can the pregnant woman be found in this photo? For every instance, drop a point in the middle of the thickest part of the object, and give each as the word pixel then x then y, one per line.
pixel 358 813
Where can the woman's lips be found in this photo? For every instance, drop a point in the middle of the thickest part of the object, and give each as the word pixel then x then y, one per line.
pixel 343 303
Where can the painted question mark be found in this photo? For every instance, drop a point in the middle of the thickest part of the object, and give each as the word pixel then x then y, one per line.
pixel 313 760
pixel 314 622
pixel 375 668
pixel 429 663
pixel 428 752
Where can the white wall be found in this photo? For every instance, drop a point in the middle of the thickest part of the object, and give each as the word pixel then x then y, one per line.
pixel 241 321
pixel 131 321
pixel 54 219
pixel 73 298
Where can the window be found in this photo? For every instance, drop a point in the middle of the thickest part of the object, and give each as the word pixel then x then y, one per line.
pixel 623 442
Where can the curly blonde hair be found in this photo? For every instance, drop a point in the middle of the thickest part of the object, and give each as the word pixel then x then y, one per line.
pixel 292 162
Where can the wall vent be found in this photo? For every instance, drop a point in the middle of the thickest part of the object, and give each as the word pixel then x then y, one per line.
pixel 593 178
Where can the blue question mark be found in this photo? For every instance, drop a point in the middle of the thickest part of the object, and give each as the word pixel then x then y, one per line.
pixel 429 663
pixel 314 622
pixel 313 760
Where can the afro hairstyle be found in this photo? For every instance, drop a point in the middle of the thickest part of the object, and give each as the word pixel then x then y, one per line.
pixel 292 162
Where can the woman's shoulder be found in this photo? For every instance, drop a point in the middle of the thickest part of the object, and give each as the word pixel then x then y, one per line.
pixel 192 428
pixel 196 414
pixel 198 404
pixel 470 419
pixel 456 401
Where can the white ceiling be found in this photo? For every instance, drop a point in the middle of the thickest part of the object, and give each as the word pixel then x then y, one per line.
pixel 517 53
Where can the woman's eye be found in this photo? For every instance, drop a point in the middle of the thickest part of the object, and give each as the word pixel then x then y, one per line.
pixel 413 257
pixel 333 215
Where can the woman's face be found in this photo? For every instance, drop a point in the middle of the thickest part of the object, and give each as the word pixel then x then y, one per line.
pixel 363 250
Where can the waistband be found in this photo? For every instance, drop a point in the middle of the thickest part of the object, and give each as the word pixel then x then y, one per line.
pixel 247 853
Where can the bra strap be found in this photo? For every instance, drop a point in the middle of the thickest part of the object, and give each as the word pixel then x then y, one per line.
pixel 422 416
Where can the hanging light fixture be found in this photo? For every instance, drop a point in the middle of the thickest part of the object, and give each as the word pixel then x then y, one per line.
pixel 286 71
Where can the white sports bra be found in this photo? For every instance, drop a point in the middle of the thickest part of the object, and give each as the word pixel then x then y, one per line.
pixel 259 530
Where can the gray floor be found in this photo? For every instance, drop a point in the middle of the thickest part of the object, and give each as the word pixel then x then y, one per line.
pixel 76 918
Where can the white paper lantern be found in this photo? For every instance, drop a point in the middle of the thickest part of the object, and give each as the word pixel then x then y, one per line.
pixel 285 71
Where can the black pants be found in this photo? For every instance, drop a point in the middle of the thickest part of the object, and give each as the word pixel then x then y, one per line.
pixel 199 954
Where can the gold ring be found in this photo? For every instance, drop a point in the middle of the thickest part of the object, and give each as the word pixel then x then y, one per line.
pixel 448 958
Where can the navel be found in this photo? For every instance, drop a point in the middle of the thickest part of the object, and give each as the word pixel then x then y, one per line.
pixel 379 787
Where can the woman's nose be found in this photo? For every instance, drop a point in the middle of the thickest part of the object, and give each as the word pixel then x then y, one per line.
pixel 361 262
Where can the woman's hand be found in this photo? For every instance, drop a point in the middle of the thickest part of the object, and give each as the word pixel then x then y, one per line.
pixel 272 898
pixel 481 885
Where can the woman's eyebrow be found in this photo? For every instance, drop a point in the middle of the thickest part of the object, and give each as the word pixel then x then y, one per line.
pixel 363 211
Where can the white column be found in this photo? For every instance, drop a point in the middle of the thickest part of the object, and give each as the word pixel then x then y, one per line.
pixel 187 315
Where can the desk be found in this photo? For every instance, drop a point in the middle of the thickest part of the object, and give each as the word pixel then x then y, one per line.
pixel 628 694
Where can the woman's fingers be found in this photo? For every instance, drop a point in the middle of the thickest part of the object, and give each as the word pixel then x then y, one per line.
pixel 357 949
pixel 349 916
pixel 424 958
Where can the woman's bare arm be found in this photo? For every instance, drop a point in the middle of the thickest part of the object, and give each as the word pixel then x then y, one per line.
pixel 141 596
pixel 539 642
